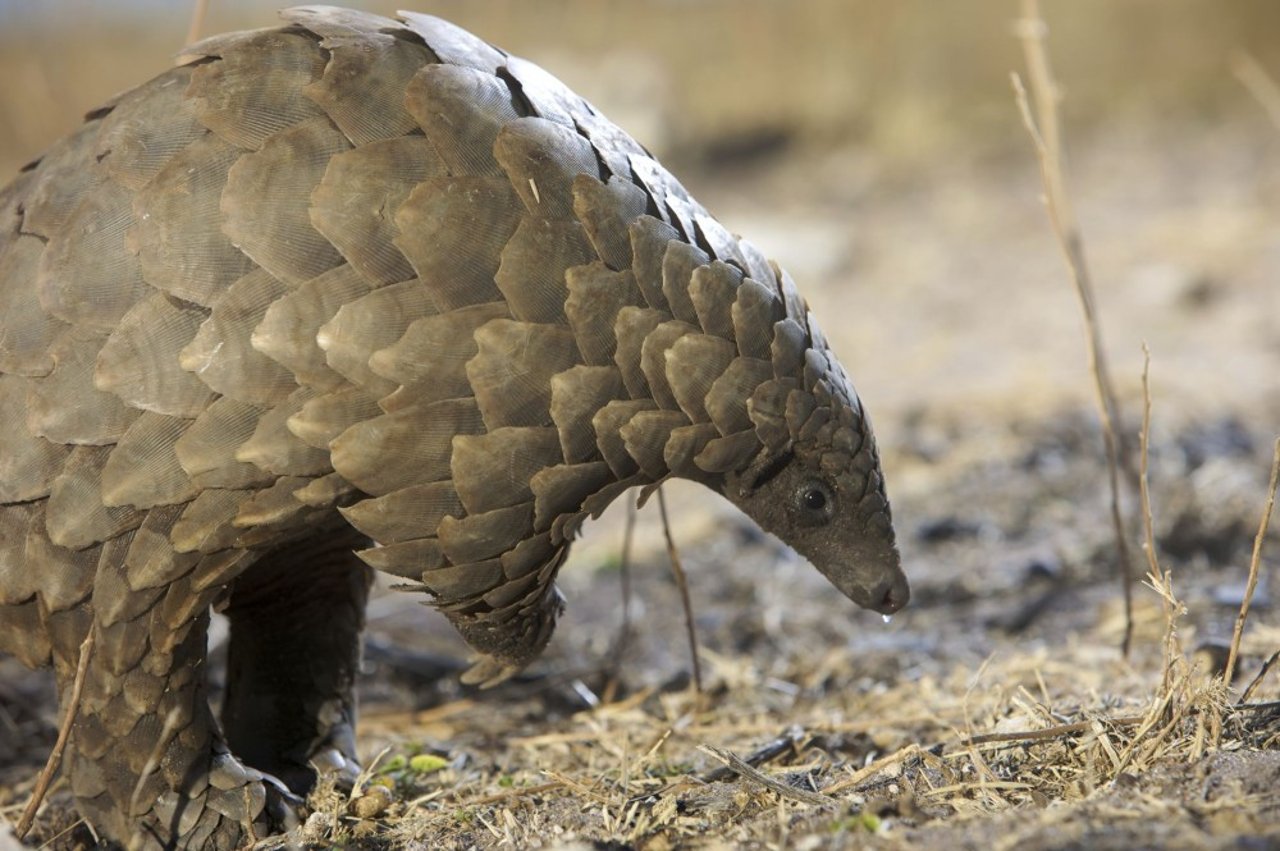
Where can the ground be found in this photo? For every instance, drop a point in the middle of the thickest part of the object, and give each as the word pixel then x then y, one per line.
pixel 921 241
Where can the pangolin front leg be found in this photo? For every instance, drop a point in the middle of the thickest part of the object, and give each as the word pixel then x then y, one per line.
pixel 146 762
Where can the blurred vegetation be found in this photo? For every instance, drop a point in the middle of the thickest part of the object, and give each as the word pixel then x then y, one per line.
pixel 702 81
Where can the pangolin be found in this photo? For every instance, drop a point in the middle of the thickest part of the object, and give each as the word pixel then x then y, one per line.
pixel 360 291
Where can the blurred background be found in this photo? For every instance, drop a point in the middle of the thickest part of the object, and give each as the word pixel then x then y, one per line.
pixel 875 150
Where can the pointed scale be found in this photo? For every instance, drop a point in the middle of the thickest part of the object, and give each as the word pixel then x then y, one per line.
pixel 412 512
pixel 87 274
pixel 576 395
pixel 645 437
pixel 179 238
pixel 713 290
pixel 453 231
pixel 152 561
pixel 532 273
pixel 653 359
pixel 256 88
pixel 477 537
pixel 754 313
pixel 267 201
pixel 370 323
pixel 287 332
pixel 461 110
pixel 726 401
pixel 355 203
pixel 66 576
pixel 419 437
pixel 64 406
pixel 76 516
pixel 596 296
pixel 650 238
pixel 693 365
pixel 678 265
pixel 221 354
pixel 207 448
pixel 322 418
pixel 276 449
pixel 511 372
pixel 28 464
pixel 562 488
pixel 140 361
pixel 543 160
pixel 493 470
pixel 142 470
pixel 430 359
pixel 608 423
pixel 607 210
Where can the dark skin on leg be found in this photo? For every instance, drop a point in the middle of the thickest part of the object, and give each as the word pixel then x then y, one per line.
pixel 296 618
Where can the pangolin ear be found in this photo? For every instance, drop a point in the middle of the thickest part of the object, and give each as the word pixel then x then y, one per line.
pixel 765 467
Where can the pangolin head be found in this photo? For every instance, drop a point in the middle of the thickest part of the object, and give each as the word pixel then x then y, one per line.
pixel 817 483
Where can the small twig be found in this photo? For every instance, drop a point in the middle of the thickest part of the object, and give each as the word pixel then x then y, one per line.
pixel 736 764
pixel 682 582
pixel 1257 680
pixel 580 788
pixel 623 638
pixel 874 767
pixel 1044 132
pixel 515 792
pixel 1255 563
pixel 769 752
pixel 64 734
pixel 49 843
pixel 1261 85
pixel 198 14
pixel 1078 727
pixel 1144 484
pixel 1050 732
pixel 171 724
pixel 1161 581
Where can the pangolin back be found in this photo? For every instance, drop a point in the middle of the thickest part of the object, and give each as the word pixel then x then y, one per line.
pixel 381 268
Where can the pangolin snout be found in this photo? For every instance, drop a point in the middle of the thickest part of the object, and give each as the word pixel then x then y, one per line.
pixel 889 595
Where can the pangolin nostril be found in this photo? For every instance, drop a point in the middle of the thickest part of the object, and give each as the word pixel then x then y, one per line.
pixel 891 595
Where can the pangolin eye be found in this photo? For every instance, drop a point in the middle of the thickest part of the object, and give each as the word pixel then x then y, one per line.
pixel 816 503
pixel 815 499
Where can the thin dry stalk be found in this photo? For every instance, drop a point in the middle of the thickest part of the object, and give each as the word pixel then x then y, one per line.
pixel 1049 732
pixel 736 764
pixel 1160 580
pixel 199 12
pixel 1257 680
pixel 171 726
pixel 1261 85
pixel 1255 564
pixel 873 768
pixel 1043 128
pixel 64 733
pixel 682 582
pixel 52 840
pixel 623 638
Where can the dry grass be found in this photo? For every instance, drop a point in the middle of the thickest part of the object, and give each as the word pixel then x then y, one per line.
pixel 638 772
